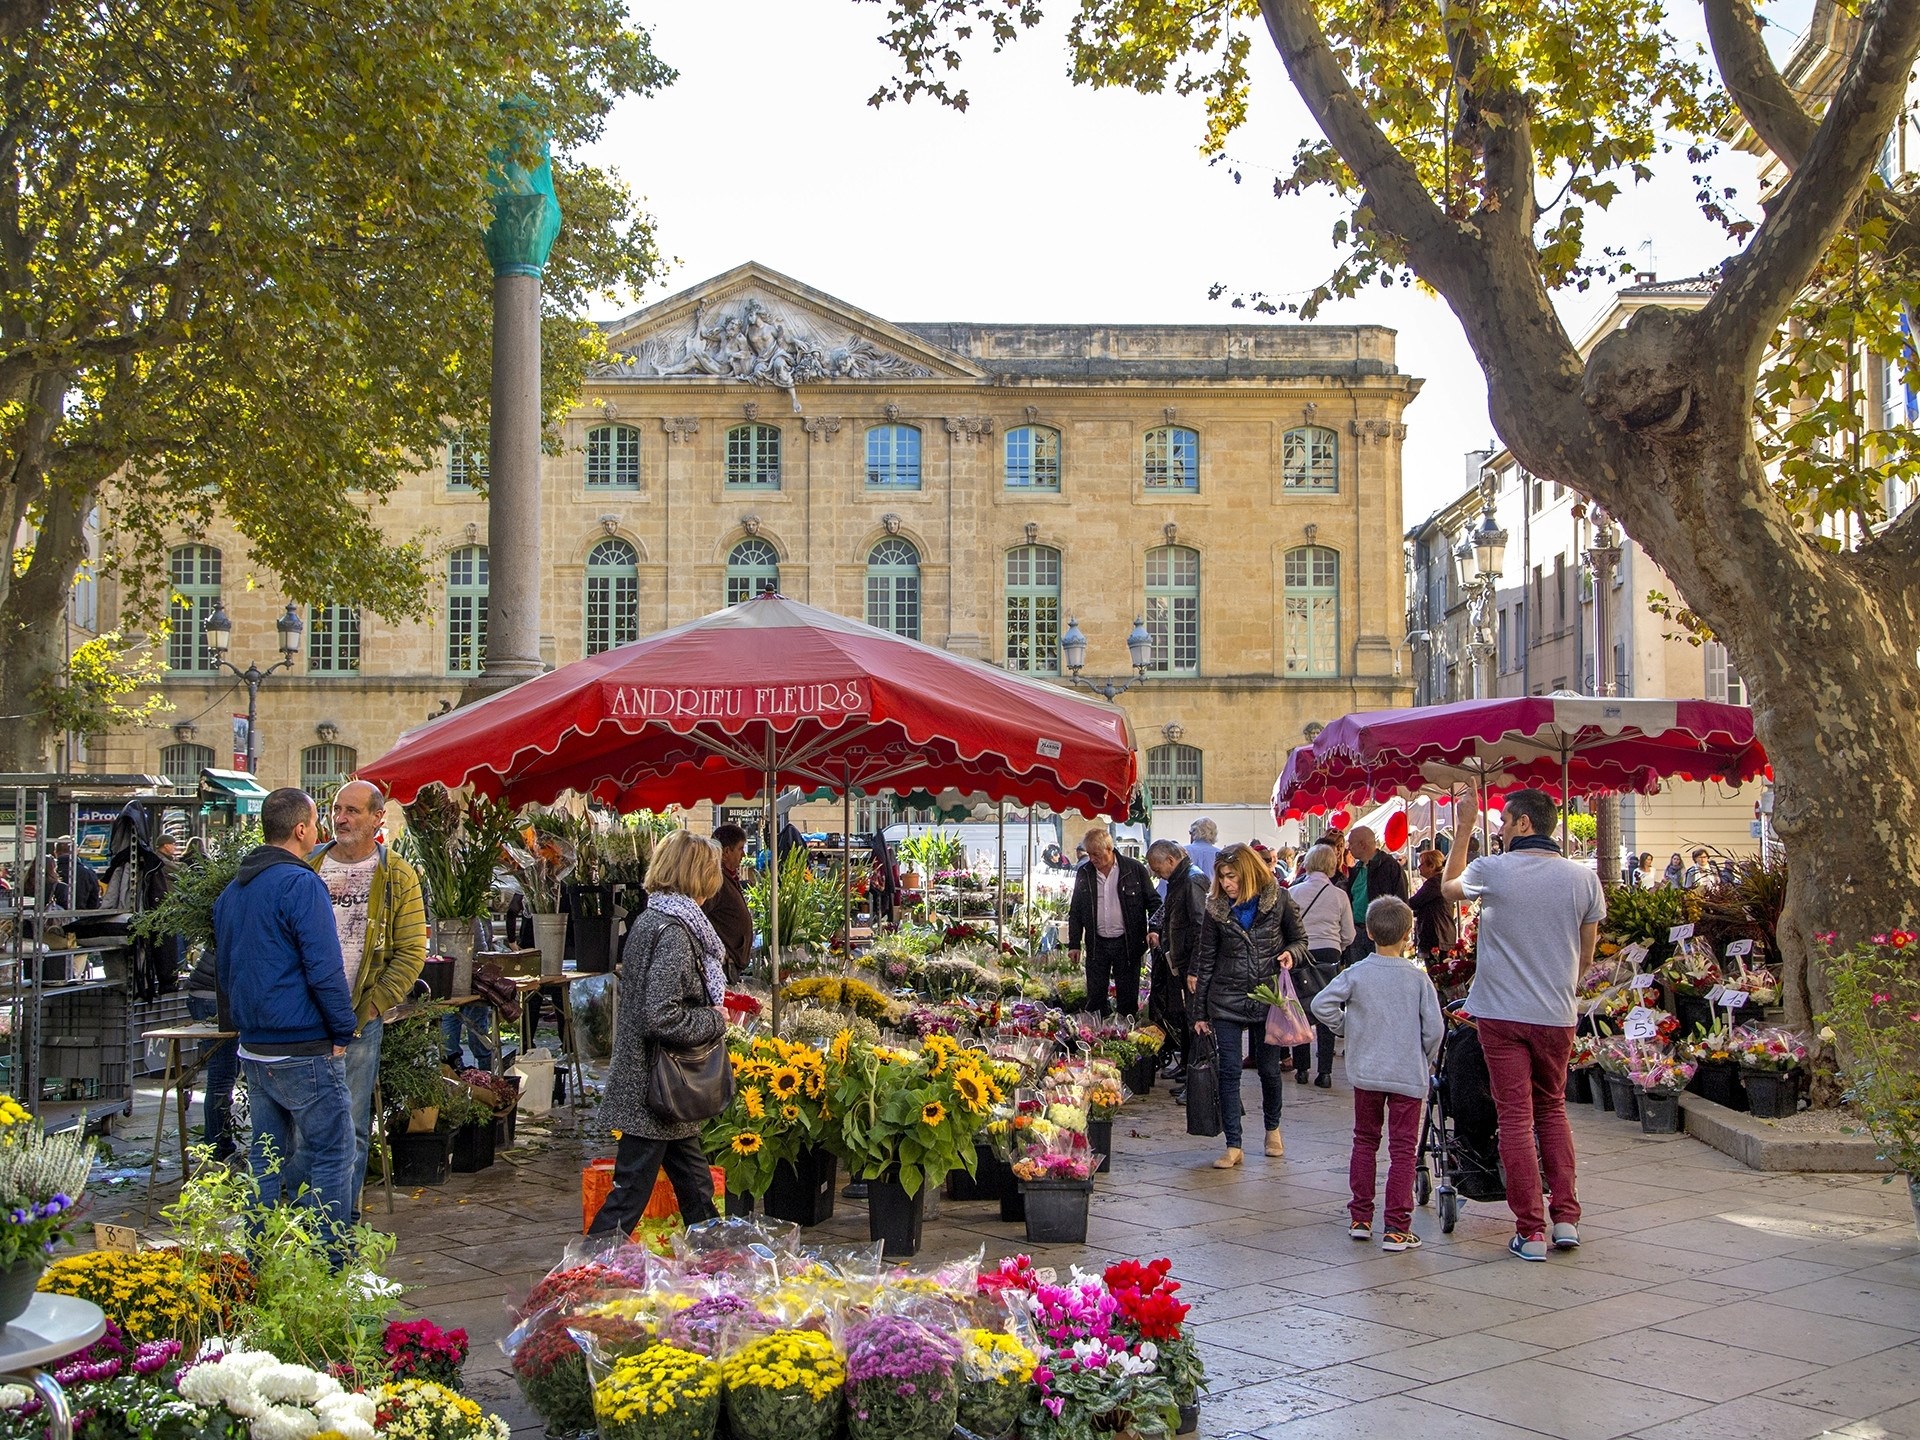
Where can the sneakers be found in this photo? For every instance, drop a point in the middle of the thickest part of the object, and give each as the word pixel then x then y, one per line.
pixel 1358 1231
pixel 1532 1247
pixel 1566 1237
pixel 1275 1145
pixel 1179 1094
pixel 1396 1241
pixel 1232 1158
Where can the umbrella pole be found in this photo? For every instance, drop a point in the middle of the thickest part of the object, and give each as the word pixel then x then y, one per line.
pixel 846 863
pixel 1000 882
pixel 773 902
pixel 1565 798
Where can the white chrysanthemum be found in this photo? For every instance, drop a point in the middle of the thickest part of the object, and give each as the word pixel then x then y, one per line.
pixel 340 1406
pixel 294 1384
pixel 249 1362
pixel 284 1422
pixel 12 1397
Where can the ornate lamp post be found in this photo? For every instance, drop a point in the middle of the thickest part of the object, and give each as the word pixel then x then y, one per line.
pixel 1073 657
pixel 1482 552
pixel 219 632
pixel 1604 556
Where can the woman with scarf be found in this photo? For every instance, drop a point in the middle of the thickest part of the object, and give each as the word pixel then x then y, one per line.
pixel 1250 932
pixel 672 983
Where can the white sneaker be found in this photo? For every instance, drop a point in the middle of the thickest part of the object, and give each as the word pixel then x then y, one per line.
pixel 1566 1237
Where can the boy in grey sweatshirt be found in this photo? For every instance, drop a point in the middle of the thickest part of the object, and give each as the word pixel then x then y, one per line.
pixel 1387 1008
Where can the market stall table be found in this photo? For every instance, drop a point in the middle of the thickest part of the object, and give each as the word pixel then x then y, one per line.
pixel 52 1328
pixel 179 1077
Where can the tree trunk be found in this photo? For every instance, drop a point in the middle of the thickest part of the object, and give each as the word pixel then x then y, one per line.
pixel 31 661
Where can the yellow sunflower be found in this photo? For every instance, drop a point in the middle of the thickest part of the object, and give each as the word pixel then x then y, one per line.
pixel 751 1102
pixel 785 1083
pixel 841 1044
pixel 789 1113
pixel 747 1142
pixel 815 1083
pixel 932 1113
pixel 971 1086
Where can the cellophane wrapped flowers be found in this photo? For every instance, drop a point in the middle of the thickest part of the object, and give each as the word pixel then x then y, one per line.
pixel 660 1393
pixel 997 1371
pixel 423 1410
pixel 901 1380
pixel 785 1386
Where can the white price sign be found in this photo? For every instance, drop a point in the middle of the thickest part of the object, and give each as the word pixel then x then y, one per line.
pixel 1740 947
pixel 1643 982
pixel 1679 933
pixel 1635 954
pixel 1713 995
pixel 1733 999
pixel 1642 1024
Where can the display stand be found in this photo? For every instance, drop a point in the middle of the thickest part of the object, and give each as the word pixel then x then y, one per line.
pixel 52 1328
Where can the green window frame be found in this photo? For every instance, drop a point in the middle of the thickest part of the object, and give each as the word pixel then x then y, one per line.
pixel 1311 607
pixel 613 458
pixel 753 567
pixel 1033 458
pixel 1172 459
pixel 1033 610
pixel 1173 775
pixel 193 594
pixel 612 595
pixel 333 640
pixel 1310 458
pixel 893 457
pixel 753 457
pixel 1173 609
pixel 893 587
pixel 466 610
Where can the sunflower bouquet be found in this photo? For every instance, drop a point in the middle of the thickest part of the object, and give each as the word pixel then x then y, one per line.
pixel 777 1110
pixel 788 1385
pixel 660 1393
pixel 907 1113
pixel 996 1370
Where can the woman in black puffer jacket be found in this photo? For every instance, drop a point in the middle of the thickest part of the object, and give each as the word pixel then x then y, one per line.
pixel 1251 930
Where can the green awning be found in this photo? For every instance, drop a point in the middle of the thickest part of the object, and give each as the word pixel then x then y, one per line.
pixel 232 787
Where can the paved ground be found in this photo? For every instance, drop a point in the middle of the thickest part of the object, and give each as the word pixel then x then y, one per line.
pixel 1707 1302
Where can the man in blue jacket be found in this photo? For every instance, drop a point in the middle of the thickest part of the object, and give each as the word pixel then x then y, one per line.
pixel 286 993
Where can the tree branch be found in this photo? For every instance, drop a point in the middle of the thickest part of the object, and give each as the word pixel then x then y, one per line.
pixel 1814 204
pixel 1766 101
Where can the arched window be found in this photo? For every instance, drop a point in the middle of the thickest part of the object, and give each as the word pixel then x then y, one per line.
pixel 1312 611
pixel 753 456
pixel 613 458
pixel 193 579
pixel 1310 458
pixel 613 595
pixel 1172 459
pixel 893 587
pixel 752 569
pixel 1033 458
pixel 182 765
pixel 333 639
pixel 466 610
pixel 1173 775
pixel 893 457
pixel 325 768
pixel 466 469
pixel 1173 609
pixel 1033 609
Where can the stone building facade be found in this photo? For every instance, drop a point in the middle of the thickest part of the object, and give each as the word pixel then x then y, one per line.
pixel 976 486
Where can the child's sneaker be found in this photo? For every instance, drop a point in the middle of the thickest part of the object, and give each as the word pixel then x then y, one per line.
pixel 1398 1240
pixel 1532 1247
pixel 1357 1231
pixel 1566 1237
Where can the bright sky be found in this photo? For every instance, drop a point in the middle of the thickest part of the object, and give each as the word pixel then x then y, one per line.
pixel 1043 202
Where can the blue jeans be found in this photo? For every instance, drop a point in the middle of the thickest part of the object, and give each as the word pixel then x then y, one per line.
pixel 471 1025
pixel 1266 1058
pixel 303 1120
pixel 223 1064
pixel 362 1062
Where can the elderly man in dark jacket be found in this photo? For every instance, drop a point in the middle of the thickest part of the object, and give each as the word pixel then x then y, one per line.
pixel 1113 898
pixel 1174 936
pixel 1375 872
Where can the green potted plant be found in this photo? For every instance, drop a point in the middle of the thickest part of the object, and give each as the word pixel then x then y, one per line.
pixel 41 1180
pixel 456 846
pixel 1872 1022
pixel 541 857
pixel 467 1118
pixel 809 910
pixel 413 1091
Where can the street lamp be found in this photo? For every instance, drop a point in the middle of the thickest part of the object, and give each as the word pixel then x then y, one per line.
pixel 219 632
pixel 1604 555
pixel 1482 552
pixel 1073 657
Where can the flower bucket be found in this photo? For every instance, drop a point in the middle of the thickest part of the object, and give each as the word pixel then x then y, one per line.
pixel 802 1189
pixel 1140 1075
pixel 737 1204
pixel 473 1148
pixel 962 1187
pixel 550 937
pixel 1719 1081
pixel 454 940
pixel 593 924
pixel 1626 1097
pixel 895 1217
pixel 1057 1211
pixel 421 1159
pixel 1660 1112
pixel 17 1284
pixel 1189 1420
pixel 437 971
pixel 1100 1141
pixel 1580 1087
pixel 1602 1093
pixel 1771 1094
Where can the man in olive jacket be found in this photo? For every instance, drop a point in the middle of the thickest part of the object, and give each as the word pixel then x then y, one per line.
pixel 382 920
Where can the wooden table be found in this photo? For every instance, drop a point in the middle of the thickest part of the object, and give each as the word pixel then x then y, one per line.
pixel 530 985
pixel 52 1328
pixel 179 1078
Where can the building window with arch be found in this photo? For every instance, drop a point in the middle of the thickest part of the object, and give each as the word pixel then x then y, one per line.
pixel 1033 458
pixel 753 457
pixel 1310 458
pixel 1173 775
pixel 1033 610
pixel 193 594
pixel 1312 611
pixel 613 595
pixel 613 458
pixel 1172 459
pixel 466 469
pixel 753 568
pixel 893 457
pixel 325 768
pixel 333 639
pixel 893 587
pixel 183 763
pixel 466 610
pixel 1173 609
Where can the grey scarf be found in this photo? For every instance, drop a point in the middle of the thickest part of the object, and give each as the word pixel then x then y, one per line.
pixel 706 942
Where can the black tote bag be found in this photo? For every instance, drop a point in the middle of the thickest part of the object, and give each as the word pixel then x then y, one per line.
pixel 1203 1086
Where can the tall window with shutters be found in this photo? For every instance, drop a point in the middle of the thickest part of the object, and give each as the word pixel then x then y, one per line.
pixel 613 458
pixel 466 610
pixel 1033 610
pixel 183 763
pixel 893 587
pixel 1173 775
pixel 1312 610
pixel 613 595
pixel 753 567
pixel 1724 685
pixel 1173 609
pixel 1310 458
pixel 193 579
pixel 325 768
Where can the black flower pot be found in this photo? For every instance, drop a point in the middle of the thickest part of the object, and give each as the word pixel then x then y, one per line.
pixel 895 1217
pixel 473 1148
pixel 1602 1093
pixel 802 1189
pixel 1140 1075
pixel 1189 1420
pixel 592 926
pixel 1771 1094
pixel 1626 1099
pixel 421 1159
pixel 738 1204
pixel 1693 1013
pixel 1660 1112
pixel 437 971
pixel 1719 1081
pixel 1579 1087
pixel 1100 1141
pixel 1057 1211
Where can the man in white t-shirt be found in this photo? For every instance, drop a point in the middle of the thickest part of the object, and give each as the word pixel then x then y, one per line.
pixel 1540 915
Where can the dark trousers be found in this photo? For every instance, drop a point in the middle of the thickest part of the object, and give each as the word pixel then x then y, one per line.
pixel 1308 981
pixel 1111 961
pixel 1399 1115
pixel 1524 1066
pixel 636 1164
pixel 1267 1059
pixel 222 1069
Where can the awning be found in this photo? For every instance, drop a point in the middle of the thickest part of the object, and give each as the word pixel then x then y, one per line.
pixel 232 787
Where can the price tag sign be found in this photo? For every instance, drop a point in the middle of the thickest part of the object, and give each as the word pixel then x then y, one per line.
pixel 1641 1024
pixel 1679 933
pixel 1733 999
pixel 1643 982
pixel 123 1238
pixel 1635 954
pixel 1740 947
pixel 1713 995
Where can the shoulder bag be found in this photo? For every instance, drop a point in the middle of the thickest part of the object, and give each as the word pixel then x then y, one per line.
pixel 686 1084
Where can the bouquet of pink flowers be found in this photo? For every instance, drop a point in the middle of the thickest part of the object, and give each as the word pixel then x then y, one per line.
pixel 1660 1072
pixel 1772 1049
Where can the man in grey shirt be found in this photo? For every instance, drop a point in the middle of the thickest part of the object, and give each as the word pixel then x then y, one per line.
pixel 1540 915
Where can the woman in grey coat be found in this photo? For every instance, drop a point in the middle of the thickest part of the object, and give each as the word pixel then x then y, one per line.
pixel 671 987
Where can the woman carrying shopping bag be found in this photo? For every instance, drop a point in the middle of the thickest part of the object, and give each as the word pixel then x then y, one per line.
pixel 1251 932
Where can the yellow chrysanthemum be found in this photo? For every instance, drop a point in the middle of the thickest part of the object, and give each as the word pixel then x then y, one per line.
pixel 747 1142
pixel 932 1113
